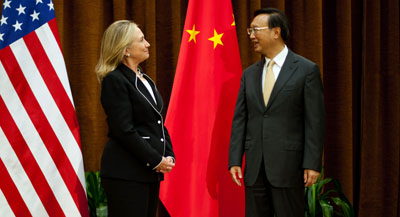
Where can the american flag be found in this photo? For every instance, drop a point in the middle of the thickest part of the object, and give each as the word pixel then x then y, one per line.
pixel 41 165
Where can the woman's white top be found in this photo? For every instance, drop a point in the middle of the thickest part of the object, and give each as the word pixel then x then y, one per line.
pixel 147 85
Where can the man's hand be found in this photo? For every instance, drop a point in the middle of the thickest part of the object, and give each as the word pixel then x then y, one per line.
pixel 310 177
pixel 166 165
pixel 236 173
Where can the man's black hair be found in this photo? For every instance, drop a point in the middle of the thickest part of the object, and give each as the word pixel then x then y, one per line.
pixel 277 18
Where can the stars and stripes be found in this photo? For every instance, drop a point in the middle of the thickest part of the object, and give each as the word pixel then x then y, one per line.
pixel 41 164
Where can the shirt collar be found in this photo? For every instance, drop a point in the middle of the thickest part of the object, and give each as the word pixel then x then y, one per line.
pixel 280 58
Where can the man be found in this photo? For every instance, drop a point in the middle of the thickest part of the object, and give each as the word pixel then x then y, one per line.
pixel 279 123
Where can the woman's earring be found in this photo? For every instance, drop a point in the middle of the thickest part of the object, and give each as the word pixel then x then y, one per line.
pixel 128 55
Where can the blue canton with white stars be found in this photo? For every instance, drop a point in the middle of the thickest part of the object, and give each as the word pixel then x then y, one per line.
pixel 21 17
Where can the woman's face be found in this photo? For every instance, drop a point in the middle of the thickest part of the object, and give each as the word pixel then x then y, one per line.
pixel 139 48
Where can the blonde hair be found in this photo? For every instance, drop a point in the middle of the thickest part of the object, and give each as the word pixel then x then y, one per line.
pixel 116 38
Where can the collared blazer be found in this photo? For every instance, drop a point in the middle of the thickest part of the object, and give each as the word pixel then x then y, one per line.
pixel 138 138
pixel 287 134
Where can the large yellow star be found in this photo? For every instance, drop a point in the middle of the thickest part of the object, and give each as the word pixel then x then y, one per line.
pixel 216 39
pixel 193 34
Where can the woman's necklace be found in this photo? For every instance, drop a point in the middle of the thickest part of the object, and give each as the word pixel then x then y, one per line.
pixel 139 74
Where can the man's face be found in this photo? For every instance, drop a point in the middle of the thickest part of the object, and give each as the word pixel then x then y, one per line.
pixel 263 38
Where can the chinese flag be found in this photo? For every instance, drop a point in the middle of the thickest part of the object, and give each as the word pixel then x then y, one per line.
pixel 200 114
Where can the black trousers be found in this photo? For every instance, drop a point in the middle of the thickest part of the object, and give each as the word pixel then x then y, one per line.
pixel 264 200
pixel 130 198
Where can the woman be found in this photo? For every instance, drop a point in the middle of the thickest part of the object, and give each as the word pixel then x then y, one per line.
pixel 139 149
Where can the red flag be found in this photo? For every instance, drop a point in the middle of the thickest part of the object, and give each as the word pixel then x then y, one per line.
pixel 200 114
pixel 41 162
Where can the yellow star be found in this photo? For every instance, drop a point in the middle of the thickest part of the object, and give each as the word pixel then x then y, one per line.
pixel 193 34
pixel 216 39
pixel 233 24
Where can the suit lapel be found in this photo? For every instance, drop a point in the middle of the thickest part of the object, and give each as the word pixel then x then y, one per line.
pixel 157 95
pixel 256 80
pixel 143 89
pixel 139 86
pixel 288 68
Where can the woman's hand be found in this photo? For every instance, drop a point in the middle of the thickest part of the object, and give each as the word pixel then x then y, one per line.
pixel 166 165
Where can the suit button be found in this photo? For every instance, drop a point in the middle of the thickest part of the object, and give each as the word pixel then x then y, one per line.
pixel 158 122
pixel 265 116
pixel 148 164
pixel 162 140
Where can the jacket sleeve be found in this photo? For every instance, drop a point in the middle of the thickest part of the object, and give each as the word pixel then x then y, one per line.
pixel 236 146
pixel 168 145
pixel 314 118
pixel 118 108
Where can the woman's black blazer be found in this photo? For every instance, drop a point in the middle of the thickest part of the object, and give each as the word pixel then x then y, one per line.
pixel 138 138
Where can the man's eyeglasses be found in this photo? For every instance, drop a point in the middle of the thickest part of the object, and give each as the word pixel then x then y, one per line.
pixel 254 30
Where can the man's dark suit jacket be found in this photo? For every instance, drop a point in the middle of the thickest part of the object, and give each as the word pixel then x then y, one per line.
pixel 137 136
pixel 288 133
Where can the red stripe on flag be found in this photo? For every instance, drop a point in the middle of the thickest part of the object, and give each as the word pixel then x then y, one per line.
pixel 11 193
pixel 27 160
pixel 200 111
pixel 46 132
pixel 53 26
pixel 53 83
